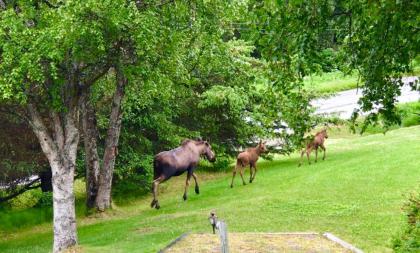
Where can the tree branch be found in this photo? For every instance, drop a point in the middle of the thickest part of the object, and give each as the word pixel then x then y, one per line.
pixel 52 5
pixel 98 72
pixel 41 131
pixel 143 6
pixel 24 189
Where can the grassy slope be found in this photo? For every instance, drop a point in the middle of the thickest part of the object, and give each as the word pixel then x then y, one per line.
pixel 330 82
pixel 356 194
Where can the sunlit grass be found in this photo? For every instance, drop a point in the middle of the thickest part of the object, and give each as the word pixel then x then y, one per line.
pixel 356 194
pixel 331 82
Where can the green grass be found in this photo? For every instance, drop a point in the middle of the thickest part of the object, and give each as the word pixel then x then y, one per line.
pixel 21 214
pixel 330 82
pixel 356 194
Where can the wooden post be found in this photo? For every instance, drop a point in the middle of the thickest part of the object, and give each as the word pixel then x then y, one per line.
pixel 223 236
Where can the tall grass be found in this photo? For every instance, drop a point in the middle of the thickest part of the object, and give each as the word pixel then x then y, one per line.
pixel 23 212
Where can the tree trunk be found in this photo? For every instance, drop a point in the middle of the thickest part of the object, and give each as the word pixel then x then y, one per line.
pixel 90 133
pixel 65 233
pixel 46 180
pixel 60 148
pixel 103 200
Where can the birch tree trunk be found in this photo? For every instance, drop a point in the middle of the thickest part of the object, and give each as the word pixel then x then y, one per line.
pixel 90 133
pixel 103 200
pixel 60 148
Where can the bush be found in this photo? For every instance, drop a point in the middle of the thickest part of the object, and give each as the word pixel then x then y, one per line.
pixel 46 200
pixel 329 60
pixel 409 240
pixel 221 164
pixel 410 113
pixel 26 200
pixel 133 177
pixel 410 116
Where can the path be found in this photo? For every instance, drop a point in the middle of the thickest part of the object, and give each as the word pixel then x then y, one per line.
pixel 343 103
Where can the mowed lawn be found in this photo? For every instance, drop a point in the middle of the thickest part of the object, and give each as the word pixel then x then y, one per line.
pixel 356 194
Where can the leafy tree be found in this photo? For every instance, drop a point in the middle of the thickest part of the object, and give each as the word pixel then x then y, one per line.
pixel 376 39
pixel 51 54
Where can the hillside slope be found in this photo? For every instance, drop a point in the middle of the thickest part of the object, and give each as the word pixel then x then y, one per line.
pixel 356 194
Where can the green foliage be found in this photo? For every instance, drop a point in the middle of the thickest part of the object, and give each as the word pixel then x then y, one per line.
pixel 45 200
pixel 377 39
pixel 409 240
pixel 194 79
pixel 410 114
pixel 328 60
pixel 222 164
pixel 382 42
pixel 25 200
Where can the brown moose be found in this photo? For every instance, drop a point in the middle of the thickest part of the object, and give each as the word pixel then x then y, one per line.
pixel 175 162
pixel 315 143
pixel 248 157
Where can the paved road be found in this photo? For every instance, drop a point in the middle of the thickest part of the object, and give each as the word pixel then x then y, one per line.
pixel 343 103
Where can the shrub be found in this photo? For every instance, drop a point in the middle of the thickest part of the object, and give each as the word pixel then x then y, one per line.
pixel 46 200
pixel 329 60
pixel 221 164
pixel 410 113
pixel 25 200
pixel 409 240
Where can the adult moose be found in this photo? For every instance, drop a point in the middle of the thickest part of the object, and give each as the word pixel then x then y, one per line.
pixel 315 143
pixel 177 161
pixel 248 157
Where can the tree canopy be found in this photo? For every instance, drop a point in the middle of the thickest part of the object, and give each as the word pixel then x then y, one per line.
pixel 144 75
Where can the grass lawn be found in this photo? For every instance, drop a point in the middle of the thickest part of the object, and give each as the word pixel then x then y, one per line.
pixel 356 194
pixel 331 82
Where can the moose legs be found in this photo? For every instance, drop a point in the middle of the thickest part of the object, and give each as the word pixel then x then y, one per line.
pixel 253 172
pixel 308 152
pixel 155 185
pixel 187 183
pixel 197 190
pixel 324 149
pixel 239 166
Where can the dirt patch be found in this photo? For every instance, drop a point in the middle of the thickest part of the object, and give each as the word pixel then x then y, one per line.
pixel 257 243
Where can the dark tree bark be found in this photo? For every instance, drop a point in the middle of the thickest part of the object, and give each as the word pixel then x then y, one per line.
pixel 103 200
pixel 90 134
pixel 46 180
